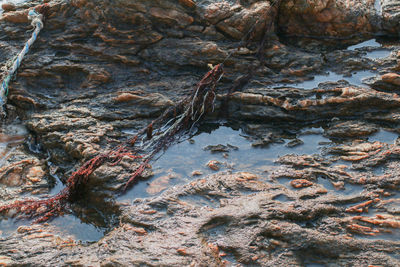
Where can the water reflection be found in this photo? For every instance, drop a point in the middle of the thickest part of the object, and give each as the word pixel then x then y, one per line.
pixel 384 137
pixel 180 160
pixel 356 78
pixel 91 217
pixel 368 43
pixel 376 54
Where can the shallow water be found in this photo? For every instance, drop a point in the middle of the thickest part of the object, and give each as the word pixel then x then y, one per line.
pixel 348 189
pixel 66 226
pixel 368 43
pixel 384 137
pixel 72 226
pixel 176 165
pixel 377 54
pixel 355 79
pixel 373 50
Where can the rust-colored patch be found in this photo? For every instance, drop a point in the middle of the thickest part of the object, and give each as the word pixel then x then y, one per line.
pixel 125 97
pixel 8 7
pixel 214 165
pixel 363 207
pixel 182 251
pixel 392 78
pixel 300 183
pixel 359 229
pixel 188 3
pixel 197 173
pixel 248 176
pixel 16 16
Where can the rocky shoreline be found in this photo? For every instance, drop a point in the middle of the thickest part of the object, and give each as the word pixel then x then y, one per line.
pixel 101 70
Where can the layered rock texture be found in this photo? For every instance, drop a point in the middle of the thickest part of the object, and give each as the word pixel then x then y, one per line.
pixel 101 70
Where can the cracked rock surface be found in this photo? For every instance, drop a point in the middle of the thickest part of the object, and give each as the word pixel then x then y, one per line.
pixel 100 70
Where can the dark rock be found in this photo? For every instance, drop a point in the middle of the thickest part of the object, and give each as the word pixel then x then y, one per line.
pixel 294 143
pixel 100 71
pixel 220 148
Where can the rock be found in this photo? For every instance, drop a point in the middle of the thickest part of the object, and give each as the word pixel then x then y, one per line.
pixel 8 7
pixel 4 260
pixel 247 176
pixel 351 129
pixel 214 165
pixel 284 233
pixel 220 148
pixel 242 19
pixel 188 3
pixel 171 16
pixel 300 183
pixel 392 78
pixel 197 173
pixel 294 143
pixel 35 174
pixel 98 73
pixel 16 16
pixel 159 184
pixel 336 18
pixel 390 14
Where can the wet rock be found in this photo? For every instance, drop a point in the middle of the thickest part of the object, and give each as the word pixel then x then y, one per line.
pixel 351 129
pixel 335 18
pixel 197 173
pixel 100 72
pixel 300 183
pixel 161 183
pixel 303 107
pixel 8 7
pixel 16 17
pixel 220 148
pixel 219 233
pixel 390 13
pixel 188 3
pixel 392 78
pixel 170 16
pixel 294 143
pixel 214 165
pixel 266 139
pixel 22 174
pixel 238 20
